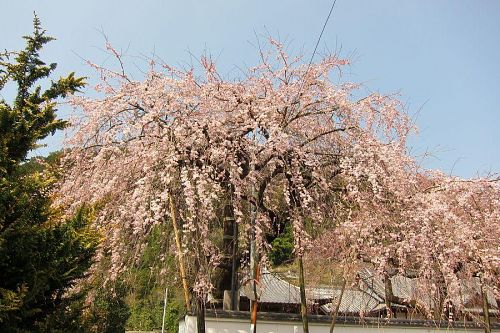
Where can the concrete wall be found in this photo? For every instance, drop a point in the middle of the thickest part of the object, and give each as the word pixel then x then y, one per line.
pixel 231 325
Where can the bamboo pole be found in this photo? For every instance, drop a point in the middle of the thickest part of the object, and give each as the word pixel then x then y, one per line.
pixel 180 257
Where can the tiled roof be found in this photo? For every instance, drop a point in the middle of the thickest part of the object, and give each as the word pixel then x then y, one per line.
pixel 276 290
pixel 416 289
pixel 353 301
pixel 472 290
pixel 402 287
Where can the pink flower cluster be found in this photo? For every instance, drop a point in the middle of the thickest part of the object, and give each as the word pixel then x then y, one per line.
pixel 284 136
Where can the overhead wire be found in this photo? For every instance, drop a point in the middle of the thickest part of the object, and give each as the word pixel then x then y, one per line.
pixel 317 44
pixel 321 35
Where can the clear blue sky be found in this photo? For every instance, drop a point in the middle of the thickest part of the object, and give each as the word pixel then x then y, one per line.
pixel 443 57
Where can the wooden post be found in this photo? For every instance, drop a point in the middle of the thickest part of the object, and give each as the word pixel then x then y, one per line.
pixel 303 300
pixel 180 257
pixel 254 265
pixel 255 303
pixel 234 270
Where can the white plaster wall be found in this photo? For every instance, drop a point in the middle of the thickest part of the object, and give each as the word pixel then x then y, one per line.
pixel 224 325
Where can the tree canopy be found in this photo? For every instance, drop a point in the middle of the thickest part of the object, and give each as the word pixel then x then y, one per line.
pixel 41 254
pixel 289 140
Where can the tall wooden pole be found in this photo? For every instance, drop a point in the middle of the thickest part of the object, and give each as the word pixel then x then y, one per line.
pixel 303 300
pixel 180 256
pixel 254 265
pixel 255 274
pixel 255 303
pixel 254 253
pixel 234 268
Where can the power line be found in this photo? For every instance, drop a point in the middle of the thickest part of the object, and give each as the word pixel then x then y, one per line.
pixel 321 34
pixel 316 47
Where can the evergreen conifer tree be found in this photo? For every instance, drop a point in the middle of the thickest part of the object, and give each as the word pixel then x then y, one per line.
pixel 40 257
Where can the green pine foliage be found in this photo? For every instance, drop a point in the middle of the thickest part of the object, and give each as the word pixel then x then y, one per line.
pixel 41 255
pixel 32 115
pixel 41 258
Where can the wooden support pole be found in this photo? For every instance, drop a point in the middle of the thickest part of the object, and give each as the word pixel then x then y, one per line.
pixel 303 300
pixel 180 256
pixel 234 270
pixel 255 303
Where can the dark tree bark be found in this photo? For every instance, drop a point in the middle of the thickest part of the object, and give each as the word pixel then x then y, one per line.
pixel 227 272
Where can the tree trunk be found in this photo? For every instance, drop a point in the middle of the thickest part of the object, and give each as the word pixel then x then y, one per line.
pixel 180 257
pixel 229 266
pixel 337 307
pixel 389 295
pixel 303 300
pixel 390 298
